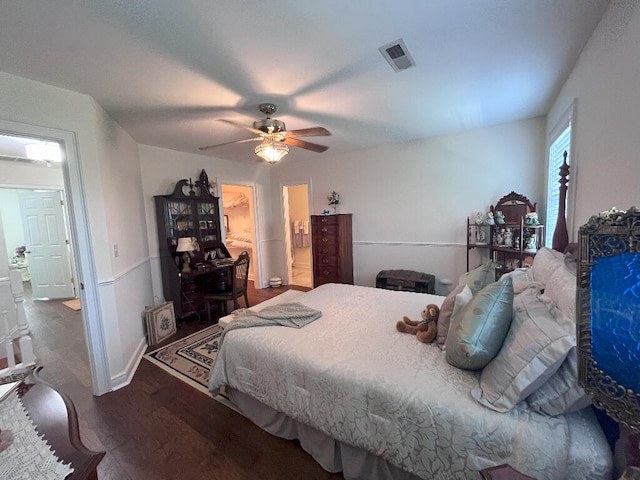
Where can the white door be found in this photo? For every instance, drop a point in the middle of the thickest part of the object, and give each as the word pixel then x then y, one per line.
pixel 47 244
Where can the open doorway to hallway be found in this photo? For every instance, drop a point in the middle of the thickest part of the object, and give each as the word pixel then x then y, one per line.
pixel 14 176
pixel 298 234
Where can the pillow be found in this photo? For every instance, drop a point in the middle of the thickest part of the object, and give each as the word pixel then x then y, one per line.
pixel 561 289
pixel 561 393
pixel 522 279
pixel 446 309
pixel 545 263
pixel 478 330
pixel 479 278
pixel 535 347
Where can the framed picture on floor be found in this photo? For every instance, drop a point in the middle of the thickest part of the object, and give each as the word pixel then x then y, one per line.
pixel 161 322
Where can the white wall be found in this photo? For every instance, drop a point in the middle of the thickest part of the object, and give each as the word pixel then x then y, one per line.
pixel 410 201
pixel 11 219
pixel 606 83
pixel 129 290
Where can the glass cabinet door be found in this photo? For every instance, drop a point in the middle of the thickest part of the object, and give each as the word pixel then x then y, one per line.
pixel 208 222
pixel 180 219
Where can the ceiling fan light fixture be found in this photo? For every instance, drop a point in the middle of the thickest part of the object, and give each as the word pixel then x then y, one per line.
pixel 272 151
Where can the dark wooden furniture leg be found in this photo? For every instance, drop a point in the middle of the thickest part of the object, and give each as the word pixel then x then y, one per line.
pixel 56 419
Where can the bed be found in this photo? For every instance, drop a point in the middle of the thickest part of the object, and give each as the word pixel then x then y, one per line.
pixel 367 400
pixel 498 386
pixel 238 242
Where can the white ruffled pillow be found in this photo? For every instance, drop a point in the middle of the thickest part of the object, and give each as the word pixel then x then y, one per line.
pixel 561 393
pixel 533 350
pixel 522 278
pixel 545 263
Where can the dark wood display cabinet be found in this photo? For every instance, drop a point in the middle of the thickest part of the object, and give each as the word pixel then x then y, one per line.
pixel 332 249
pixel 513 239
pixel 191 212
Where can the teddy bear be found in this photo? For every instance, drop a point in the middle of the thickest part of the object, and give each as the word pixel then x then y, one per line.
pixel 424 330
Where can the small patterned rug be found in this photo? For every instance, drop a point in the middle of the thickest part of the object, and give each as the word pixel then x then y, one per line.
pixel 190 358
pixel 73 304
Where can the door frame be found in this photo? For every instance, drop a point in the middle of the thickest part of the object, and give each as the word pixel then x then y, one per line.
pixel 83 255
pixel 284 215
pixel 257 251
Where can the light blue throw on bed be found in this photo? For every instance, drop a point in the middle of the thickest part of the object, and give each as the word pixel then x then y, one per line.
pixel 292 314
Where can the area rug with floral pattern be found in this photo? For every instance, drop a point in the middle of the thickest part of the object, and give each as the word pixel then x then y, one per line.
pixel 190 358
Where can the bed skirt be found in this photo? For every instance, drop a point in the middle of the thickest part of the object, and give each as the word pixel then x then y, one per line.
pixel 332 455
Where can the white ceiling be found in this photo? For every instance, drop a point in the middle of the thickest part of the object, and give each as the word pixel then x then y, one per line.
pixel 165 70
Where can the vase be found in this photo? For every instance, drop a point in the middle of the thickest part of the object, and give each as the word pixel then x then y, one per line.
pixel 335 208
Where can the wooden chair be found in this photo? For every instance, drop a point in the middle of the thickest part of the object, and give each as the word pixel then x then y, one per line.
pixel 238 287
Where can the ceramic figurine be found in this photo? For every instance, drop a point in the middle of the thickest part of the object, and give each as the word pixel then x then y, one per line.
pixel 499 217
pixel 490 220
pixel 531 218
pixel 508 238
pixel 479 218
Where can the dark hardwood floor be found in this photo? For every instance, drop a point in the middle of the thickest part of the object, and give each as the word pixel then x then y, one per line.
pixel 157 427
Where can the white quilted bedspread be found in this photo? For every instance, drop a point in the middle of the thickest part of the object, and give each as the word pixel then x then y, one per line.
pixel 351 375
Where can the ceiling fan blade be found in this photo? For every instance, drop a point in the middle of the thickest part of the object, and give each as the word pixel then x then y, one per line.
pixel 309 132
pixel 314 147
pixel 239 125
pixel 255 139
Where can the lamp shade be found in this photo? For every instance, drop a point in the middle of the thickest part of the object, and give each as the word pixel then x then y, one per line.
pixel 185 244
pixel 272 151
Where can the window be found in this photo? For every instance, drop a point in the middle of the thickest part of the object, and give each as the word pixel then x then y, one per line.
pixel 560 142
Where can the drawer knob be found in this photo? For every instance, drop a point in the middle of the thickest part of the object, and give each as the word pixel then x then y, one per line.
pixel 325 260
pixel 326 273
pixel 324 220
pixel 325 239
pixel 325 250
pixel 325 229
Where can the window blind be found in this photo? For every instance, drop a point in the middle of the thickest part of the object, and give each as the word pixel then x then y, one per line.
pixel 561 144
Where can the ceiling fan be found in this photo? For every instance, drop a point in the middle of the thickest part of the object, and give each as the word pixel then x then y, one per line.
pixel 274 136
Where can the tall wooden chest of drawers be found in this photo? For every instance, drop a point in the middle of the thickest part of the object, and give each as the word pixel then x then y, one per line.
pixel 332 246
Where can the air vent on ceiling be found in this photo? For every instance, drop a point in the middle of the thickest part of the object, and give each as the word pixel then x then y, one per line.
pixel 397 54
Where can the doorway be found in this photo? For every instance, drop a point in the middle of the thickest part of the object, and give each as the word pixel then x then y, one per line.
pixel 239 225
pixel 78 221
pixel 298 234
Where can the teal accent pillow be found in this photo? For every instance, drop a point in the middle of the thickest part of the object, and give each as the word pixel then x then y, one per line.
pixel 477 331
pixel 479 278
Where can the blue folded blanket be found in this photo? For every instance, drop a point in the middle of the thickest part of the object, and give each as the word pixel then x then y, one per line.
pixel 292 314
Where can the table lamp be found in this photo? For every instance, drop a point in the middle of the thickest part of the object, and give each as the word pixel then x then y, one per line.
pixel 185 246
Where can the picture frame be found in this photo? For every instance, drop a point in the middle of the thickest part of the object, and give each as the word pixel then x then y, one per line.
pixel 161 322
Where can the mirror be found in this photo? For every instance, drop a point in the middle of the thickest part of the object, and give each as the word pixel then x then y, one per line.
pixel 609 313
pixel 514 206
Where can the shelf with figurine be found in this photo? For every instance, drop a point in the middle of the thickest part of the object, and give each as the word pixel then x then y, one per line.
pixel 510 232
